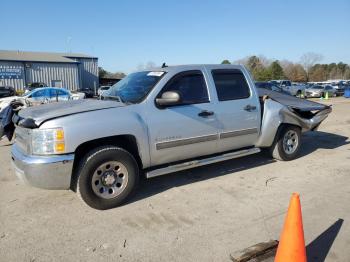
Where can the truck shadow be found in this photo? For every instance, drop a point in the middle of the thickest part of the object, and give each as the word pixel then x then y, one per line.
pixel 150 187
pixel 311 142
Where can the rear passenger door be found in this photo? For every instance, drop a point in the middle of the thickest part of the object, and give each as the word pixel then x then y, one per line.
pixel 237 109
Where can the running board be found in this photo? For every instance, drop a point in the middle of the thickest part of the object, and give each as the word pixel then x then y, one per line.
pixel 201 162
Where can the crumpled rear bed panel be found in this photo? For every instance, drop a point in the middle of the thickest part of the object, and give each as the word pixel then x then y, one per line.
pixel 291 101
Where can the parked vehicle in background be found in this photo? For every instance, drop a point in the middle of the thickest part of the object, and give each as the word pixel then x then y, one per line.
pixel 6 91
pixel 156 122
pixel 293 89
pixel 339 86
pixel 270 86
pixel 281 82
pixel 33 86
pixel 102 89
pixel 89 93
pixel 42 95
pixel 320 91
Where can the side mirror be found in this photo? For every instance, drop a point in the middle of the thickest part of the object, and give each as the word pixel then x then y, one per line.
pixel 169 98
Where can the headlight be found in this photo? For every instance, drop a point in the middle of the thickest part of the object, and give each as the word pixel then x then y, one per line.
pixel 48 141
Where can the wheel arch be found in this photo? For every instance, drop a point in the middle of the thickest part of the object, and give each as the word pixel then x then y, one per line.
pixel 281 127
pixel 127 142
pixel 276 116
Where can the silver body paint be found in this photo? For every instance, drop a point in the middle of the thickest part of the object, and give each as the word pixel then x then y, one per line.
pixel 165 135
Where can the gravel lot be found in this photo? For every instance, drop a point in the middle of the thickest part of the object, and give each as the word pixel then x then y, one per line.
pixel 198 215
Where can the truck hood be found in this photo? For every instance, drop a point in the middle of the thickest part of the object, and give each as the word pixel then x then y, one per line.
pixel 8 99
pixel 42 113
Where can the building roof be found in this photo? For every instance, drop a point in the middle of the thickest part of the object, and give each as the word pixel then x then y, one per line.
pixel 76 55
pixel 25 56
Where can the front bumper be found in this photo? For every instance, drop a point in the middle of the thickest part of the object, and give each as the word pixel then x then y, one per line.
pixel 48 172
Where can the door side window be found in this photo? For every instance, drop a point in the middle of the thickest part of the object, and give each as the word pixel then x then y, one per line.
pixel 230 84
pixel 191 87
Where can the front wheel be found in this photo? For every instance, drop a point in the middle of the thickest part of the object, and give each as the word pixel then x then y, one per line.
pixel 107 177
pixel 287 144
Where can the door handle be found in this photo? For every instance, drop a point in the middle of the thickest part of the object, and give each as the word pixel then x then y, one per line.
pixel 205 113
pixel 249 108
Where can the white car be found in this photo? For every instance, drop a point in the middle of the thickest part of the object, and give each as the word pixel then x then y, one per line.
pixel 294 89
pixel 42 96
pixel 102 89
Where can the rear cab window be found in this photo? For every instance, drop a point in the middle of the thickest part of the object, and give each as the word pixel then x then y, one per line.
pixel 230 84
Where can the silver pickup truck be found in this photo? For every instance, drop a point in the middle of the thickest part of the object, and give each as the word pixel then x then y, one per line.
pixel 154 123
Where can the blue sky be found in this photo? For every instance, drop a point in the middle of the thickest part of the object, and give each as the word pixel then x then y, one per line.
pixel 125 34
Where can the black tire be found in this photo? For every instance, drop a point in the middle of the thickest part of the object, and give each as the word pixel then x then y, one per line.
pixel 298 94
pixel 280 149
pixel 88 169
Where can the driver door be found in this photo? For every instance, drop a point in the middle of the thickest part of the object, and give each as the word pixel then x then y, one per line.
pixel 186 130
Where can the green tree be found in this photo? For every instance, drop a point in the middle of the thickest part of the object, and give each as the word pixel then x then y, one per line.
pixel 226 62
pixel 254 63
pixel 276 71
pixel 262 74
pixel 257 69
pixel 102 72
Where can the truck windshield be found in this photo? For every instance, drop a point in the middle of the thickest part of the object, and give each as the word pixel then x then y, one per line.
pixel 134 87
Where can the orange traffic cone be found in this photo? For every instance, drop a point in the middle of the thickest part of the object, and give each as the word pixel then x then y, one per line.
pixel 291 247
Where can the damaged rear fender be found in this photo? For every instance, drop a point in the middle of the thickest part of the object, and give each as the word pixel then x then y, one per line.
pixel 276 114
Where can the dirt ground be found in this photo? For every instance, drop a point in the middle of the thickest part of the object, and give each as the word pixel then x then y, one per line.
pixel 204 214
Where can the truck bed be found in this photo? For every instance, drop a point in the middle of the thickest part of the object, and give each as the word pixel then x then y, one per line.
pixel 302 105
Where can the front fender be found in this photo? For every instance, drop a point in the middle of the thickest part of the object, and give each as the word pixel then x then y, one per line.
pixel 88 126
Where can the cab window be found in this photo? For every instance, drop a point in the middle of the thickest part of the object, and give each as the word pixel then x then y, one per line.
pixel 191 87
pixel 230 84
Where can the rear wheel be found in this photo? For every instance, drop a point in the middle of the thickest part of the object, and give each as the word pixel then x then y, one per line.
pixel 287 144
pixel 107 177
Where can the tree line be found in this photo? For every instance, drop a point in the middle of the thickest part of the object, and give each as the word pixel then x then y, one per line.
pixel 307 70
pixel 102 73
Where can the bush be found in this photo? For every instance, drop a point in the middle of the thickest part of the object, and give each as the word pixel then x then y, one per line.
pixel 19 92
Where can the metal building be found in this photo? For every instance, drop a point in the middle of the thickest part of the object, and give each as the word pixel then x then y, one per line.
pixel 68 70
